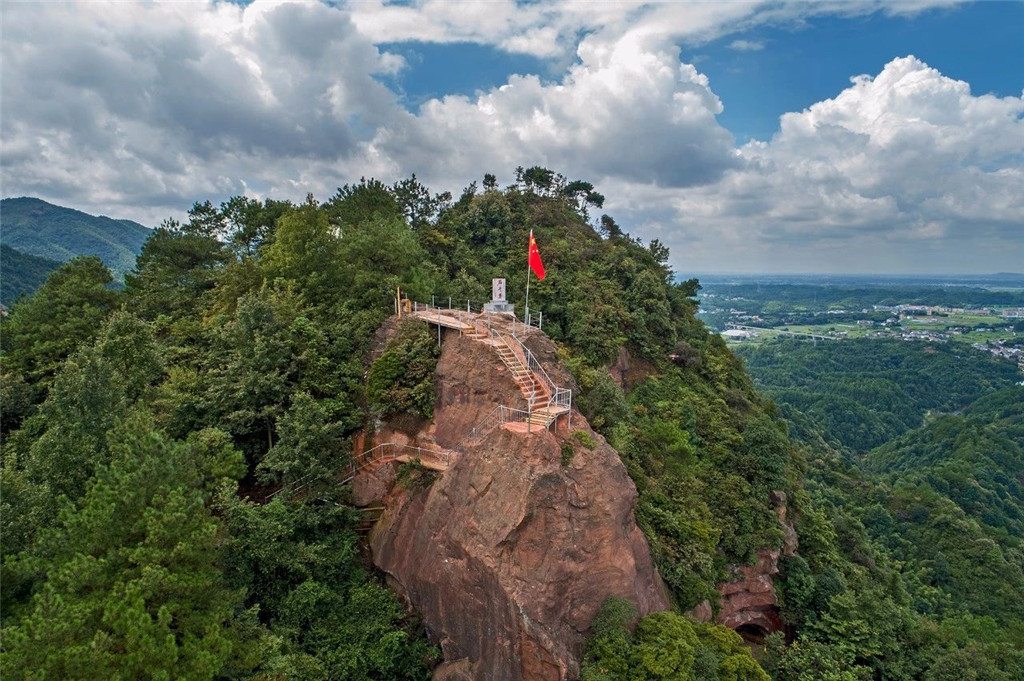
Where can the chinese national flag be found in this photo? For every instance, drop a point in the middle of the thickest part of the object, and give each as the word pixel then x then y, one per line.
pixel 535 264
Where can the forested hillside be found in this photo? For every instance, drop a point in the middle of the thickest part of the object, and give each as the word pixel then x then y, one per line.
pixel 21 273
pixel 146 430
pixel 42 229
pixel 940 502
pixel 861 393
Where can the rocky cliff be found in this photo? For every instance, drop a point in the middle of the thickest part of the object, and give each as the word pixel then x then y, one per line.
pixel 509 553
pixel 748 602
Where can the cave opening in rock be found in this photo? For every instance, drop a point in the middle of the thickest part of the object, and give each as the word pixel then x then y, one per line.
pixel 752 633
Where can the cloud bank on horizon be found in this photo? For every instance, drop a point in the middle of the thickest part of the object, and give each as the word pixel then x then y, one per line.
pixel 138 110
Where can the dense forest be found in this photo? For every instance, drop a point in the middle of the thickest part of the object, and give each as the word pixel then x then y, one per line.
pixel 146 430
pixel 861 393
pixel 917 455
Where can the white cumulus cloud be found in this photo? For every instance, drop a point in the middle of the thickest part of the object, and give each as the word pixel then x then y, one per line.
pixel 746 45
pixel 624 111
pixel 126 106
pixel 905 164
pixel 137 110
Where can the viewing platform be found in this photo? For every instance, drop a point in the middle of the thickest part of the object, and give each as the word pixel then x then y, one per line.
pixel 451 319
pixel 503 333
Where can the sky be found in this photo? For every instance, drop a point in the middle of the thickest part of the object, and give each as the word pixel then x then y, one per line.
pixel 840 136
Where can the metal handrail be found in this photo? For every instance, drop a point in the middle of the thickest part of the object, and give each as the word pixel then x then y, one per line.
pixel 531 399
pixel 438 302
pixel 512 415
pixel 561 397
pixel 488 422
pixel 526 360
pixel 362 462
pixel 293 486
pixel 501 415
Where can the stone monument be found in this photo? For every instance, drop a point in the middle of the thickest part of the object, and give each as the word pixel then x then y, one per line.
pixel 498 301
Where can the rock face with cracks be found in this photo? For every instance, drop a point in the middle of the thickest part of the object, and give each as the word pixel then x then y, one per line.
pixel 509 554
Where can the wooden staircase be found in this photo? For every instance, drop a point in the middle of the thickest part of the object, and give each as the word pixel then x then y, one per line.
pixel 435 460
pixel 368 518
pixel 545 416
pixel 545 402
pixel 532 388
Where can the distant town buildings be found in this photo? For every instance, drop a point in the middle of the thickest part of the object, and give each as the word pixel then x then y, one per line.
pixel 1000 349
pixel 931 336
pixel 943 309
pixel 998 331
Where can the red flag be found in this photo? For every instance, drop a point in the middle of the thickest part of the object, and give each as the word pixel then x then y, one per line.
pixel 535 264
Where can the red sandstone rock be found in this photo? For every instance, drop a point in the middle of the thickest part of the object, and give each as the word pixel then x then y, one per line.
pixel 509 554
pixel 749 598
pixel 629 371
pixel 458 670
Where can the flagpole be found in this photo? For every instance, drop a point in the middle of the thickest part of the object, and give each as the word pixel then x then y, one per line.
pixel 529 250
pixel 526 318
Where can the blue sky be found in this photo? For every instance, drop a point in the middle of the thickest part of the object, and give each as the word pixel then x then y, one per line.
pixel 981 43
pixel 853 136
pixel 769 70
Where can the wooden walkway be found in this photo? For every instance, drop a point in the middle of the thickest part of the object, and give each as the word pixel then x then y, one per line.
pixel 452 319
pixel 435 460
pixel 431 459
pixel 540 418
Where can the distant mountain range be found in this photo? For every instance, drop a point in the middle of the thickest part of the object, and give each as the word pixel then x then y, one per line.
pixel 54 234
pixel 39 228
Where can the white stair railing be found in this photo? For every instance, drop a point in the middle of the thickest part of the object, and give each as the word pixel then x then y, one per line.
pixel 518 366
pixel 519 359
pixel 560 397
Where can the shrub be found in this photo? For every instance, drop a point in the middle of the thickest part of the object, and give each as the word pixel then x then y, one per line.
pixel 402 378
pixel 585 439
